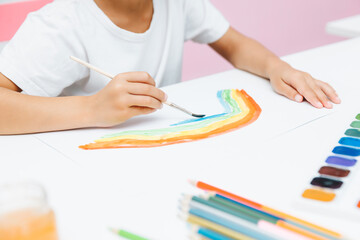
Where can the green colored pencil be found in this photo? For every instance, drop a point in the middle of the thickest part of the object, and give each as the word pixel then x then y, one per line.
pixel 128 235
pixel 226 209
pixel 244 209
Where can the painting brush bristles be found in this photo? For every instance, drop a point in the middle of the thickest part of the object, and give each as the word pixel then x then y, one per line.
pixel 184 110
pixel 88 65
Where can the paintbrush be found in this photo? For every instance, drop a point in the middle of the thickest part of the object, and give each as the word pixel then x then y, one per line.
pixel 111 77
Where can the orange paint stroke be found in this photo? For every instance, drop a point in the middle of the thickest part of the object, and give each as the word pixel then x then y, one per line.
pixel 254 112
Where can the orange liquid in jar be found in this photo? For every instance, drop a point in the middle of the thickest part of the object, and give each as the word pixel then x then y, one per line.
pixel 28 224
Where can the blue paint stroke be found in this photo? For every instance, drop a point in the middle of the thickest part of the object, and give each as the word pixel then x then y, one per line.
pixel 198 119
pixel 347 151
pixel 353 142
pixel 226 106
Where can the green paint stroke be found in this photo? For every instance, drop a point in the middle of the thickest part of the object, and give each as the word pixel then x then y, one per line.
pixel 228 101
pixel 352 132
pixel 358 117
pixel 355 124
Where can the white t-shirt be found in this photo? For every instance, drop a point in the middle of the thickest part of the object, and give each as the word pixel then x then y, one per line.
pixel 37 58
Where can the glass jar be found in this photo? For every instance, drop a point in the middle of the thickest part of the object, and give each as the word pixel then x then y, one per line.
pixel 25 213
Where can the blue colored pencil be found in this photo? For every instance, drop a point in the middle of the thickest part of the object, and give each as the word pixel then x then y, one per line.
pixel 315 231
pixel 256 234
pixel 211 234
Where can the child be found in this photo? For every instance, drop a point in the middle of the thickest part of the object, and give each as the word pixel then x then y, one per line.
pixel 140 39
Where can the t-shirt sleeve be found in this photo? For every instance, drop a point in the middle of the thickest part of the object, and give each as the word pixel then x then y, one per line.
pixel 37 57
pixel 203 22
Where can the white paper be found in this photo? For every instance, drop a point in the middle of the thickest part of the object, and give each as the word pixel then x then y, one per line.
pixel 278 116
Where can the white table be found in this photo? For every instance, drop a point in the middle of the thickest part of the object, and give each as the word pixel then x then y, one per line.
pixel 2 45
pixel 347 27
pixel 140 194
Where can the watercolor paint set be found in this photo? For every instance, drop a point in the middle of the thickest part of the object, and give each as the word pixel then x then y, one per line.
pixel 335 188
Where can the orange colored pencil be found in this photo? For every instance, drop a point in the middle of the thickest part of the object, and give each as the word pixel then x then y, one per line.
pixel 207 187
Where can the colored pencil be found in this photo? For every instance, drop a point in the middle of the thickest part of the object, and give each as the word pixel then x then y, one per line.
pixel 245 209
pixel 207 187
pixel 280 232
pixel 215 227
pixel 256 216
pixel 225 209
pixel 278 221
pixel 262 229
pixel 127 235
pixel 227 220
pixel 195 236
pixel 264 216
pixel 210 234
pixel 300 222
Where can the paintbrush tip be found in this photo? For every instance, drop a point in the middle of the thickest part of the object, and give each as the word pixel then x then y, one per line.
pixel 198 115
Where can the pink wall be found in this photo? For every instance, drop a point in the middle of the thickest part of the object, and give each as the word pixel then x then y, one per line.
pixel 13 14
pixel 284 26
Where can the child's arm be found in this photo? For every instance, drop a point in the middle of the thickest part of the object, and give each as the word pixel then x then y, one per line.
pixel 127 95
pixel 249 55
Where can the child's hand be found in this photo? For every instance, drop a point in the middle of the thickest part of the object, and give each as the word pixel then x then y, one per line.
pixel 125 96
pixel 297 85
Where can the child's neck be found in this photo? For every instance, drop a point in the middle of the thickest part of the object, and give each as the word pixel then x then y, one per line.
pixel 131 15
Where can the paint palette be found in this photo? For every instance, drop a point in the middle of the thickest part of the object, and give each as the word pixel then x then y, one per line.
pixel 336 188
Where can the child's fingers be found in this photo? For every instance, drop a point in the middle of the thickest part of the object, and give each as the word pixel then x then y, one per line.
pixel 317 93
pixel 146 90
pixel 288 91
pixel 137 77
pixel 143 101
pixel 329 91
pixel 321 96
pixel 308 93
pixel 136 110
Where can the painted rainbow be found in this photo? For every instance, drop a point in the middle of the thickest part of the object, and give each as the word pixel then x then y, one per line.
pixel 240 110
